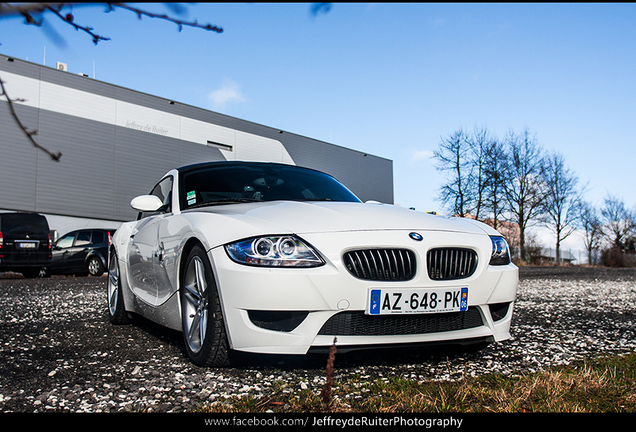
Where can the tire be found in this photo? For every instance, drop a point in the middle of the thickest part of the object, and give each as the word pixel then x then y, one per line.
pixel 204 331
pixel 116 310
pixel 94 266
pixel 31 273
pixel 45 272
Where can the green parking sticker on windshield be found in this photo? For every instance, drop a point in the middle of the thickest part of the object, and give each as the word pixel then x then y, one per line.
pixel 192 197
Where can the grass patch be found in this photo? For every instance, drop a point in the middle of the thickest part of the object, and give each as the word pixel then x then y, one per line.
pixel 602 385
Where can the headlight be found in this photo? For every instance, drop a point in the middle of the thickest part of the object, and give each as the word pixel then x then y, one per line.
pixel 500 253
pixel 274 251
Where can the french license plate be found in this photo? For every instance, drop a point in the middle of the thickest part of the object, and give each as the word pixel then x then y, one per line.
pixel 421 300
pixel 27 245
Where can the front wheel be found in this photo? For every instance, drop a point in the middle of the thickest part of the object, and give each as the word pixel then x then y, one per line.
pixel 116 311
pixel 202 318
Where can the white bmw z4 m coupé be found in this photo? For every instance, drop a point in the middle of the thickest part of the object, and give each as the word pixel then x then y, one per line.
pixel 274 258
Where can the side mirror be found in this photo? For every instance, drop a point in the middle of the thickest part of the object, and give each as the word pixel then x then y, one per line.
pixel 146 203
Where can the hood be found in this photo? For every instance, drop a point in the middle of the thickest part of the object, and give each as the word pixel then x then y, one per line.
pixel 303 217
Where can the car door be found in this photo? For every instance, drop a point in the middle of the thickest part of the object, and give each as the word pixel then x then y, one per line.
pixel 80 250
pixel 61 261
pixel 145 253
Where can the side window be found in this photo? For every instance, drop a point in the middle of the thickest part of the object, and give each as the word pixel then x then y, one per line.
pixel 163 190
pixel 98 237
pixel 66 241
pixel 83 238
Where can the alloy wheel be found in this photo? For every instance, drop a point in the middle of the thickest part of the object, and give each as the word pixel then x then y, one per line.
pixel 113 285
pixel 196 304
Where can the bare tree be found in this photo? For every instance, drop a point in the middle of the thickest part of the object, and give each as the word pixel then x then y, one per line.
pixel 618 220
pixel 453 157
pixel 561 199
pixel 480 143
pixel 590 222
pixel 476 166
pixel 464 157
pixel 494 164
pixel 524 188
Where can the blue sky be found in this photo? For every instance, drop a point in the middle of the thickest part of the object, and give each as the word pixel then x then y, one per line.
pixel 386 79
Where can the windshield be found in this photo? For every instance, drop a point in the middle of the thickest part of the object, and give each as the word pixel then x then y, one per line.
pixel 23 223
pixel 250 182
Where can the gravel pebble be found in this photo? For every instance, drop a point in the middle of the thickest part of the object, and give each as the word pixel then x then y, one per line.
pixel 59 353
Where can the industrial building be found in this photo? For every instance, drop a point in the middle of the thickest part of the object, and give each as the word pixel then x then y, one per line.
pixel 117 142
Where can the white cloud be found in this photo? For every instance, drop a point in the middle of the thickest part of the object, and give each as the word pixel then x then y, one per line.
pixel 228 93
pixel 421 155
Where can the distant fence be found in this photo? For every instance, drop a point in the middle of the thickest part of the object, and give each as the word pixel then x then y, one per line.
pixel 569 256
pixel 547 256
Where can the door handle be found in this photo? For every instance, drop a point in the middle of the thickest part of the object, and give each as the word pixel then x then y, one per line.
pixel 159 253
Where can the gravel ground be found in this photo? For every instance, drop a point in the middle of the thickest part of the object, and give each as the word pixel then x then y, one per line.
pixel 59 353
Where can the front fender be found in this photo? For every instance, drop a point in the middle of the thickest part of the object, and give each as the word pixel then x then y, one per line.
pixel 101 258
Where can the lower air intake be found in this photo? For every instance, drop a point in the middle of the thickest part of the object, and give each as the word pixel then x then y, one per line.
pixel 360 324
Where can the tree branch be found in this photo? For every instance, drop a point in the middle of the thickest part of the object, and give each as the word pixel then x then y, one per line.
pixel 29 133
pixel 28 10
pixel 68 18
pixel 165 17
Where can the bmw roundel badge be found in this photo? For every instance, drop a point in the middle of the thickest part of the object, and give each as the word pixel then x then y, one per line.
pixel 416 236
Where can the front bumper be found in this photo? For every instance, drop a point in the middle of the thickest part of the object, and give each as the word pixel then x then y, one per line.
pixel 290 311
